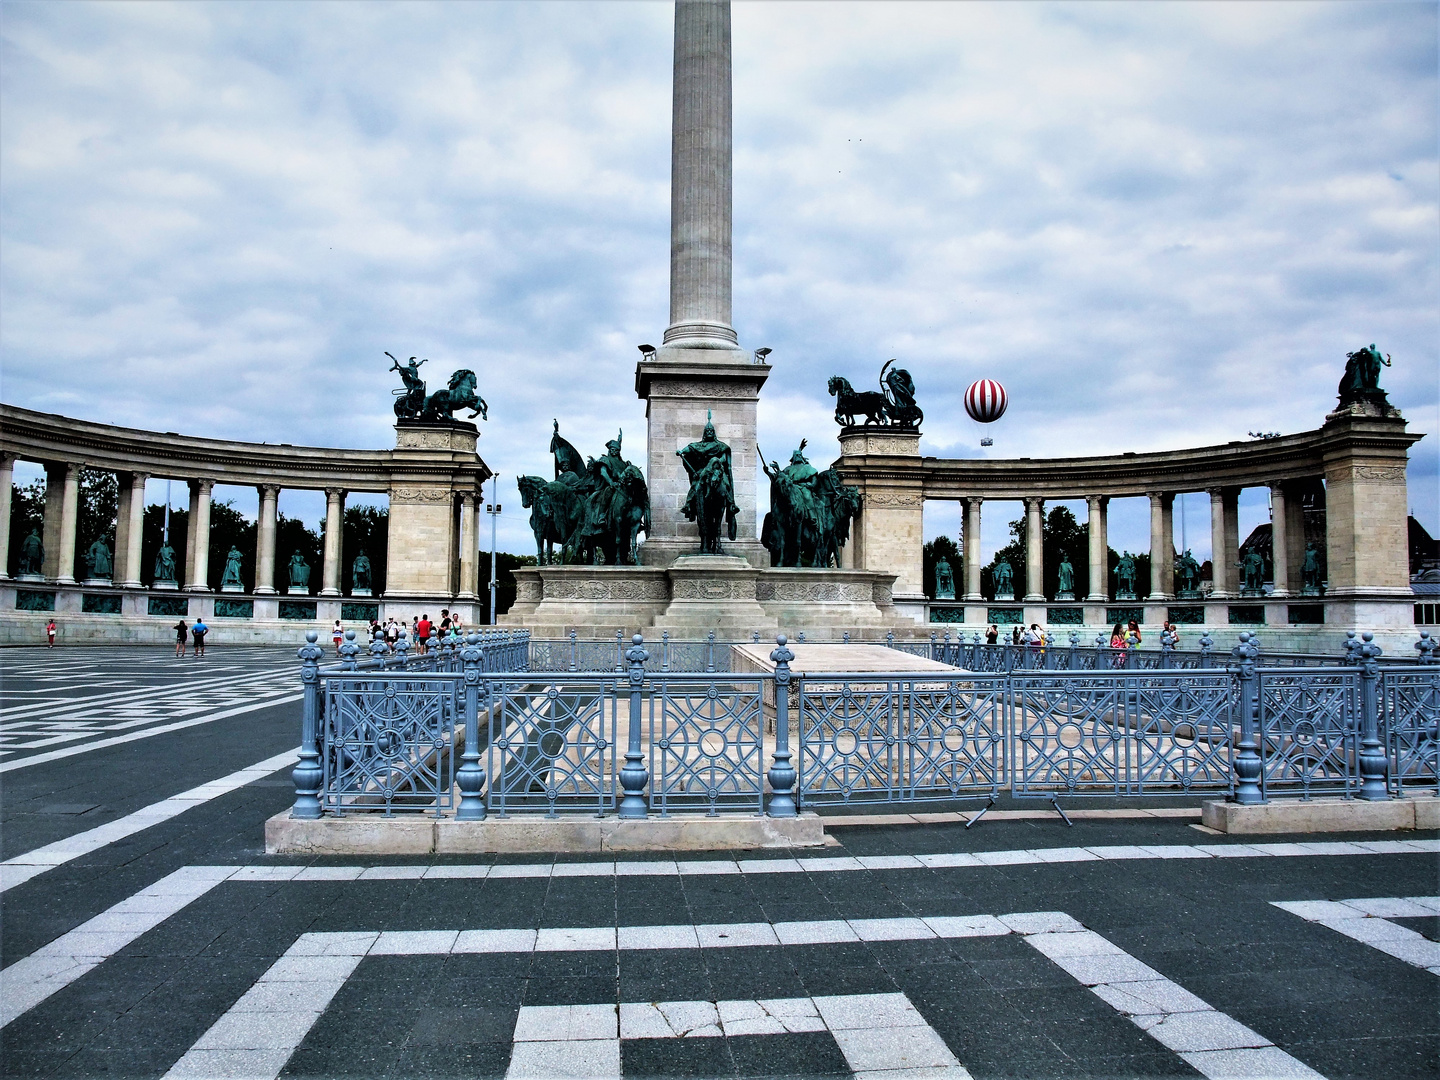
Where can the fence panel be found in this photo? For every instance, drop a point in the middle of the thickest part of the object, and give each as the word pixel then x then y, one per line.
pixel 1068 735
pixel 389 742
pixel 1308 728
pixel 552 744
pixel 1410 727
pixel 706 743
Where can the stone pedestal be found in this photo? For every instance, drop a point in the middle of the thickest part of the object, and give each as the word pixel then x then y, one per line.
pixel 165 585
pixel 433 466
pixel 680 386
pixel 890 531
pixel 713 592
pixel 103 582
pixel 232 588
pixel 361 592
pixel 298 590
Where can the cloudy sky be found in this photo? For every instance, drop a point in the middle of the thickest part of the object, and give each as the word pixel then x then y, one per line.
pixel 1160 225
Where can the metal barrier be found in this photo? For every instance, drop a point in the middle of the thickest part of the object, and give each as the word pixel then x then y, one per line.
pixel 384 734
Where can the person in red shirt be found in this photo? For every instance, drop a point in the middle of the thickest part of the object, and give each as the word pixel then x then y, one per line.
pixel 50 634
pixel 422 634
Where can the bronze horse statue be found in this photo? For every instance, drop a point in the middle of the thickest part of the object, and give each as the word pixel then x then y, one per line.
pixel 460 394
pixel 850 403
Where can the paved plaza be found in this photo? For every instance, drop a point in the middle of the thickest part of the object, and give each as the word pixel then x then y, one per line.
pixel 146 933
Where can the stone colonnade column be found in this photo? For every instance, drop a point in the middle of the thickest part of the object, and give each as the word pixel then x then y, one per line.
pixel 1279 540
pixel 130 531
pixel 700 178
pixel 62 511
pixel 1162 544
pixel 334 525
pixel 1034 551
pixel 972 549
pixel 197 550
pixel 7 474
pixel 468 547
pixel 1099 549
pixel 1224 540
pixel 265 540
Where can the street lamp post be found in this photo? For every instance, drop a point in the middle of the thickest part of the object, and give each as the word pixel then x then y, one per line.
pixel 493 509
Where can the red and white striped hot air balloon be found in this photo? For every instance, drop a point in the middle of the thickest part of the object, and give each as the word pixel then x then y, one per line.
pixel 985 401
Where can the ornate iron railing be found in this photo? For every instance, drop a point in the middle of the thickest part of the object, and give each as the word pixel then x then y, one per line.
pixel 387 733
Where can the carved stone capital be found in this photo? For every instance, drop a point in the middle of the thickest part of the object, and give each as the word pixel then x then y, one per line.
pixel 268 491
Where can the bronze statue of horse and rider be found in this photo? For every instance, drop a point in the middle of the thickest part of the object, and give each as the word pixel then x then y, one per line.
pixel 593 510
pixel 893 405
pixel 411 402
pixel 810 513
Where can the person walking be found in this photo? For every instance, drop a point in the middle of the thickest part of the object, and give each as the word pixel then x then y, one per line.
pixel 50 634
pixel 198 632
pixel 422 633
pixel 392 633
pixel 337 635
pixel 182 635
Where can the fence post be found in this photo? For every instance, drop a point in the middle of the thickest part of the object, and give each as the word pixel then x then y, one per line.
pixel 378 651
pixel 1206 644
pixel 1074 649
pixel 573 657
pixel 1426 647
pixel 1372 757
pixel 634 776
pixel 307 774
pixel 349 650
pixel 471 777
pixel 755 636
pixel 782 773
pixel 402 650
pixel 710 651
pixel 665 651
pixel 1167 649
pixel 1349 645
pixel 1247 762
pixel 619 650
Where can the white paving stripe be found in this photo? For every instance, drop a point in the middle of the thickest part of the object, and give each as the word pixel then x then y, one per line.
pixel 1367 920
pixel 29 981
pixel 55 708
pixel 1214 1043
pixel 100 744
pixel 880 1035
pixel 21 868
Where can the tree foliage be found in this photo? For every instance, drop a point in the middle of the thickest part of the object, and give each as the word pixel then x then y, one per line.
pixel 942 547
pixel 367 529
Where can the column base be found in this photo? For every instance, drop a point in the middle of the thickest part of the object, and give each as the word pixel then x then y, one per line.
pixel 1097 598
pixel 1035 598
pixel 973 598
pixel 264 591
pixel 198 588
pixel 1161 597
pixel 328 592
pixel 461 595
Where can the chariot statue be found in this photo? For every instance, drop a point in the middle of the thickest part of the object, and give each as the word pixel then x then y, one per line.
pixel 1361 381
pixel 810 513
pixel 711 499
pixel 411 402
pixel 893 405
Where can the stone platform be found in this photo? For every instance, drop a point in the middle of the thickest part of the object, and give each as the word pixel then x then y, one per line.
pixel 1322 815
pixel 374 834
pixel 698 594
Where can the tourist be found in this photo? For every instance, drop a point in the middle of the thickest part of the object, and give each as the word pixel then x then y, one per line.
pixel 1117 646
pixel 1174 635
pixel 1132 635
pixel 1015 634
pixel 992 635
pixel 457 625
pixel 198 632
pixel 337 635
pixel 182 635
pixel 422 634
pixel 392 633
pixel 444 623
pixel 50 634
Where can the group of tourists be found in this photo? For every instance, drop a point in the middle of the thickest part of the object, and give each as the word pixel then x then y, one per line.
pixel 423 632
pixel 196 633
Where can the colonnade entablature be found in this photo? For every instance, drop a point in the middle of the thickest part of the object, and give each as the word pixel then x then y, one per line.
pixel 1357 459
pixel 433 476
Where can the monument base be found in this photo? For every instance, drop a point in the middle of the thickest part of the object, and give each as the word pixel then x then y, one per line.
pixel 232 588
pixel 171 586
pixel 101 582
pixel 36 578
pixel 361 592
pixel 298 590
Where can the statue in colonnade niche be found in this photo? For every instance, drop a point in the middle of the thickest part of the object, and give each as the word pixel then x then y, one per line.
pixel 1004 581
pixel 810 512
pixel 1187 573
pixel 1252 569
pixel 1125 577
pixel 1066 581
pixel 944 579
pixel 299 573
pixel 1310 571
pixel 98 560
pixel 230 580
pixel 711 498
pixel 32 554
pixel 360 575
pixel 1361 381
pixel 165 563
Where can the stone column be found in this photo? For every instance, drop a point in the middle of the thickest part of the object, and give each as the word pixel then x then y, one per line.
pixel 197 553
pixel 1099 549
pixel 1034 551
pixel 1279 540
pixel 334 528
pixel 1162 544
pixel 1224 541
pixel 62 512
pixel 7 479
pixel 130 531
pixel 1295 539
pixel 469 546
pixel 700 178
pixel 972 551
pixel 265 540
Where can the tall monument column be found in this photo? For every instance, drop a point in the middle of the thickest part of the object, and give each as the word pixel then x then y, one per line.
pixel 699 369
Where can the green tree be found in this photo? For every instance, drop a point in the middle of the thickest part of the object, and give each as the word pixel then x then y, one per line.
pixel 152 530
pixel 27 515
pixel 942 547
pixel 230 528
pixel 292 535
pixel 95 515
pixel 367 529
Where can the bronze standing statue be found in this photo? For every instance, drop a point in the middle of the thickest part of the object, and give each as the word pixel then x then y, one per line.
pixel 711 498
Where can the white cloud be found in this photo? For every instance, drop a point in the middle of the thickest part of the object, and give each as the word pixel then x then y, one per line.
pixel 1159 225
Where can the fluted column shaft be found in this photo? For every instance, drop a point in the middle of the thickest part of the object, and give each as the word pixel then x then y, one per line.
pixel 265 540
pixel 469 546
pixel 700 178
pixel 7 480
pixel 130 530
pixel 62 512
pixel 1224 540
pixel 972 550
pixel 1161 546
pixel 1034 550
pixel 1099 505
pixel 334 524
pixel 1279 536
pixel 197 554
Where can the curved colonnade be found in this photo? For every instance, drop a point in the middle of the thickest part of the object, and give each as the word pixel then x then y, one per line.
pixel 1353 466
pixel 433 480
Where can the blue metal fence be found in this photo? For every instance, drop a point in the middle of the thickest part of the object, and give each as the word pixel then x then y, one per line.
pixel 634 736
